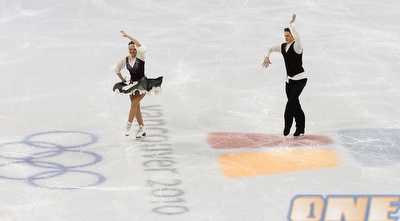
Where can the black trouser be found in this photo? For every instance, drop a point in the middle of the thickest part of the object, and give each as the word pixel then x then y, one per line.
pixel 293 107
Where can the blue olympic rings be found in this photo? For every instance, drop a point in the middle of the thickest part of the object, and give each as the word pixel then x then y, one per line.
pixel 24 156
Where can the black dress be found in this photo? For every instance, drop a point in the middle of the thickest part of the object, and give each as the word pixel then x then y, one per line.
pixel 138 82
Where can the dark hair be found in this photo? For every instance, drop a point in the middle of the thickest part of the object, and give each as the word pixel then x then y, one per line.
pixel 288 30
pixel 131 43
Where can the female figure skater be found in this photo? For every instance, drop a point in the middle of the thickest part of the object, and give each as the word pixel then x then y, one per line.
pixel 138 84
pixel 292 51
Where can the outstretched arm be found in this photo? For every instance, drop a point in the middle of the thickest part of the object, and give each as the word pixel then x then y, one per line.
pixel 131 38
pixel 273 48
pixel 266 62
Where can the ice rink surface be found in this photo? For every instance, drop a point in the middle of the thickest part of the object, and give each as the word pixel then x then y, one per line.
pixel 214 149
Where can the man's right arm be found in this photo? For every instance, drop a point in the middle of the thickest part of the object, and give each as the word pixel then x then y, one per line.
pixel 273 48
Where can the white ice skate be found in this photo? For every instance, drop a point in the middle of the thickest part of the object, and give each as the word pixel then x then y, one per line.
pixel 128 129
pixel 141 132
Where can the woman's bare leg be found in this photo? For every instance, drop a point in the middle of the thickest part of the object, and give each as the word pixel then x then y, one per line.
pixel 139 117
pixel 135 107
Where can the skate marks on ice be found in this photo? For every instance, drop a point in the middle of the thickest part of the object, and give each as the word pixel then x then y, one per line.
pixel 373 147
pixel 51 160
pixel 232 140
pixel 244 164
pixel 369 147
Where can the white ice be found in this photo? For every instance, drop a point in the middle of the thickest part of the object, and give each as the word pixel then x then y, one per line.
pixel 57 107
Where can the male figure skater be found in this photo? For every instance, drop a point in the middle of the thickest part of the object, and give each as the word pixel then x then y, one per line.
pixel 292 51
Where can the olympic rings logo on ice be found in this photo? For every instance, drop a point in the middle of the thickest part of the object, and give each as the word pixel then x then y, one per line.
pixel 52 160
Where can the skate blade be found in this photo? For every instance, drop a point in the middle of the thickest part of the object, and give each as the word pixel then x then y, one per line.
pixel 301 135
pixel 143 135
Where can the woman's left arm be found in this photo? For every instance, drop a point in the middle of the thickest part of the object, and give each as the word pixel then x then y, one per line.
pixel 137 43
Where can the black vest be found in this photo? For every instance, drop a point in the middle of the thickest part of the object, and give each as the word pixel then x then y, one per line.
pixel 137 71
pixel 293 61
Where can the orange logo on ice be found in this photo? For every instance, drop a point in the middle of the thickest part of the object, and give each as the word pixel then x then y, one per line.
pixel 244 164
pixel 238 165
pixel 344 208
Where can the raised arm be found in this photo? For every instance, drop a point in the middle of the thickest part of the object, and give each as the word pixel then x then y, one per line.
pixel 298 46
pixel 131 38
pixel 293 19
